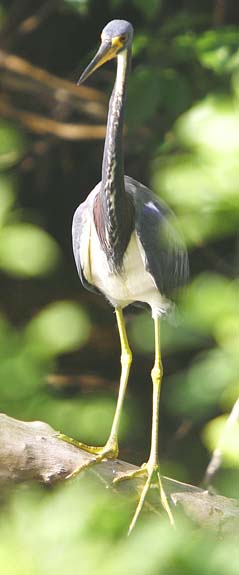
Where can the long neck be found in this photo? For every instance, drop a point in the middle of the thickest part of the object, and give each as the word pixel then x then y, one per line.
pixel 113 161
pixel 113 210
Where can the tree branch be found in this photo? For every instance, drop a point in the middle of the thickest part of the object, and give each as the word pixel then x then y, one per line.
pixel 34 451
pixel 23 68
pixel 44 125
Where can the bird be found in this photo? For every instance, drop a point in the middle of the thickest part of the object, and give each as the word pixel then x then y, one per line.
pixel 128 247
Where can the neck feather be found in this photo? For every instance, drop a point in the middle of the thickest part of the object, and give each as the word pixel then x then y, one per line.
pixel 113 161
pixel 113 212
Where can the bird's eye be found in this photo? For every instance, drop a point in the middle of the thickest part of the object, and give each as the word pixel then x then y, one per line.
pixel 123 37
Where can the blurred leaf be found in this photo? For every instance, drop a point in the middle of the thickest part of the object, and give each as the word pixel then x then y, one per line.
pixel 213 125
pixel 20 376
pixel 88 419
pixel 216 433
pixel 140 42
pixel 216 49
pixel 59 328
pixel 149 87
pixel 198 390
pixel 95 539
pixel 27 251
pixel 6 197
pixel 175 335
pixel 184 46
pixel 203 184
pixel 171 83
pixel 82 6
pixel 12 145
pixel 227 331
pixel 148 8
pixel 209 301
pixel 143 96
pixel 235 84
pixel 20 373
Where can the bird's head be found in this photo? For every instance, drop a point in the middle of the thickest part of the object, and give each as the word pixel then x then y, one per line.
pixel 116 36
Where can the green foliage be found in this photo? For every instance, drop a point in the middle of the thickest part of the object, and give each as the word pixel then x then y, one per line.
pixel 12 145
pixel 6 198
pixel 217 432
pixel 145 84
pixel 148 9
pixel 81 6
pixel 218 49
pixel 201 182
pixel 183 92
pixel 59 328
pixel 26 250
pixel 80 529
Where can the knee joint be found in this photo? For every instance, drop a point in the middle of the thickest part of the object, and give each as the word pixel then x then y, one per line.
pixel 157 373
pixel 126 357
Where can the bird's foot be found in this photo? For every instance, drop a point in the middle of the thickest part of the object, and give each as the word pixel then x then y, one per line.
pixel 153 479
pixel 109 451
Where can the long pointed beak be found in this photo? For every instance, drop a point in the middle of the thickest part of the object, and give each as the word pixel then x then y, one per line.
pixel 106 52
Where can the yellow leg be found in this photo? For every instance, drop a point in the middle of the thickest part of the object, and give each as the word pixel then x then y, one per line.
pixel 151 468
pixel 110 450
pixel 126 360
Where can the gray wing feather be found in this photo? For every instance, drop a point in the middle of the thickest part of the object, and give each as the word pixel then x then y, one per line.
pixel 78 225
pixel 157 229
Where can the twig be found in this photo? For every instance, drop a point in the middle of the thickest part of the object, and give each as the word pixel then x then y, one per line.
pixel 62 88
pixel 32 22
pixel 217 455
pixel 43 125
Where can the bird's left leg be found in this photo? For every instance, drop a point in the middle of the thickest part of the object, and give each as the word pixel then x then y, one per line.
pixel 110 449
pixel 151 468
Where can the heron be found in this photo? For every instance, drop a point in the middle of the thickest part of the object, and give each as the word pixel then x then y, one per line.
pixel 127 246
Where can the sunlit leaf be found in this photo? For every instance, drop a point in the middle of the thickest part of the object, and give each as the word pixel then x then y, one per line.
pixel 202 184
pixel 217 433
pixel 209 301
pixel 212 124
pixel 6 197
pixel 59 328
pixel 12 145
pixel 27 251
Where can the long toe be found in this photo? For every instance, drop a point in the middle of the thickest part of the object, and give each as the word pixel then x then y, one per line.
pixel 152 479
pixel 108 451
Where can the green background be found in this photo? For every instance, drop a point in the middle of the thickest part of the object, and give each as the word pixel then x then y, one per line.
pixel 58 343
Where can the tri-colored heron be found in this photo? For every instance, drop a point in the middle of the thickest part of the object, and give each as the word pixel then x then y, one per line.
pixel 127 247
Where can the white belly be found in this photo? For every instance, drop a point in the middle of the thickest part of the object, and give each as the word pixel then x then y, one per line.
pixel 133 283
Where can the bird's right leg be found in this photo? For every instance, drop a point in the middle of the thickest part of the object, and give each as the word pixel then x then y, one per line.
pixel 110 449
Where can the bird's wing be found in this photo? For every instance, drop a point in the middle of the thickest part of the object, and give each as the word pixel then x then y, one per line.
pixel 81 234
pixel 165 253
